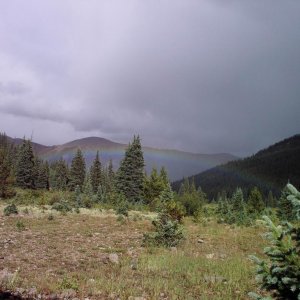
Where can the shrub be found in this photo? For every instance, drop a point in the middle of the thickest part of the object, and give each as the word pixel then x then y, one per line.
pixel 175 210
pixel 20 225
pixel 168 232
pixel 10 209
pixel 122 206
pixel 280 274
pixel 62 206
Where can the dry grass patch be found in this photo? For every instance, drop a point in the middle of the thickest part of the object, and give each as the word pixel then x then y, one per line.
pixel 70 252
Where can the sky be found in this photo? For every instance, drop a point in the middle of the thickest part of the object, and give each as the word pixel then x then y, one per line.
pixel 206 76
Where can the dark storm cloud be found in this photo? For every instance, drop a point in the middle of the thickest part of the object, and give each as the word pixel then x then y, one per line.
pixel 204 76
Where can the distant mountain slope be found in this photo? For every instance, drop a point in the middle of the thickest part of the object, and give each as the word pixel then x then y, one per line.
pixel 178 163
pixel 269 169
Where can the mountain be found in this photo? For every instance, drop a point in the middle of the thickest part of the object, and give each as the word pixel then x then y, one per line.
pixel 179 164
pixel 269 169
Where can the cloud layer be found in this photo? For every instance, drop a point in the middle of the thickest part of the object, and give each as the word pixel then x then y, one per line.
pixel 203 76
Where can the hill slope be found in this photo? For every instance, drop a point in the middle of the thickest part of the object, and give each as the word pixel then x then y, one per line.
pixel 177 163
pixel 269 169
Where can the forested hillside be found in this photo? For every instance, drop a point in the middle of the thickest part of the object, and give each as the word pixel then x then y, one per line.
pixel 269 169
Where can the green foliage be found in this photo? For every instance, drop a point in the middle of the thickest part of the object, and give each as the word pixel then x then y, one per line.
pixel 285 207
pixel 234 210
pixel 41 174
pixel 153 187
pixel 192 199
pixel 68 283
pixel 280 274
pixel 7 179
pixel 268 169
pixel 20 226
pixel 255 202
pixel 77 171
pixel 10 209
pixel 59 175
pixel 168 232
pixel 62 206
pixel 25 166
pixel 122 206
pixel 130 176
pixel 95 173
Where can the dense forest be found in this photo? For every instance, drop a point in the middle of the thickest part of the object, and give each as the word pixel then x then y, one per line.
pixel 269 169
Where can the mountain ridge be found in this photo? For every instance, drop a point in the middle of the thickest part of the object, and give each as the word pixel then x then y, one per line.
pixel 178 163
pixel 269 169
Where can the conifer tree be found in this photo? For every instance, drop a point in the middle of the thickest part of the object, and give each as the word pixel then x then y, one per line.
pixel 255 202
pixel 77 171
pixel 164 176
pixel 6 168
pixel 130 175
pixel 41 174
pixel 285 207
pixel 280 273
pixel 153 186
pixel 95 173
pixel 110 177
pixel 59 175
pixel 25 166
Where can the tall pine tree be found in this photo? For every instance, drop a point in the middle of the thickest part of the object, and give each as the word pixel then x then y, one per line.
pixel 95 173
pixel 25 166
pixel 77 171
pixel 130 175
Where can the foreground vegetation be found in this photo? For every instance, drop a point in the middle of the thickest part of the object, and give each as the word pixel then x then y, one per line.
pixel 72 252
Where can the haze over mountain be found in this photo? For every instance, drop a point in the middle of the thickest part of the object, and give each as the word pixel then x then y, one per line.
pixel 178 163
pixel 269 169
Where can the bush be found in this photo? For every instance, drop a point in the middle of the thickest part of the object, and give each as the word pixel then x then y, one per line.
pixel 175 210
pixel 122 206
pixel 20 226
pixel 62 206
pixel 280 274
pixel 10 209
pixel 168 232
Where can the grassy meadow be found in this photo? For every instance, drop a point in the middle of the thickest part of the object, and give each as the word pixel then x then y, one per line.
pixel 51 253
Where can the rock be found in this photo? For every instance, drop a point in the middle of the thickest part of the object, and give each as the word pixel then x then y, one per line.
pixel 52 297
pixel 133 264
pixel 200 241
pixel 113 258
pixel 214 279
pixel 210 256
pixel 173 249
pixel 5 277
pixel 32 291
pixel 68 294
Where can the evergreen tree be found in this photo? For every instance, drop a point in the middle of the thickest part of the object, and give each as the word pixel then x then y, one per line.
pixel 6 168
pixel 59 175
pixel 280 273
pixel 270 200
pixel 255 202
pixel 164 176
pixel 25 166
pixel 95 173
pixel 130 176
pixel 41 174
pixel 285 207
pixel 153 186
pixel 77 171
pixel 110 184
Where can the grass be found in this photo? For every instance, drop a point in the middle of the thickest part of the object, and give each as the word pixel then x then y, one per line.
pixel 70 251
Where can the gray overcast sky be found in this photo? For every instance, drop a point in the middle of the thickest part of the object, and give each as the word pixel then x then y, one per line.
pixel 197 75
